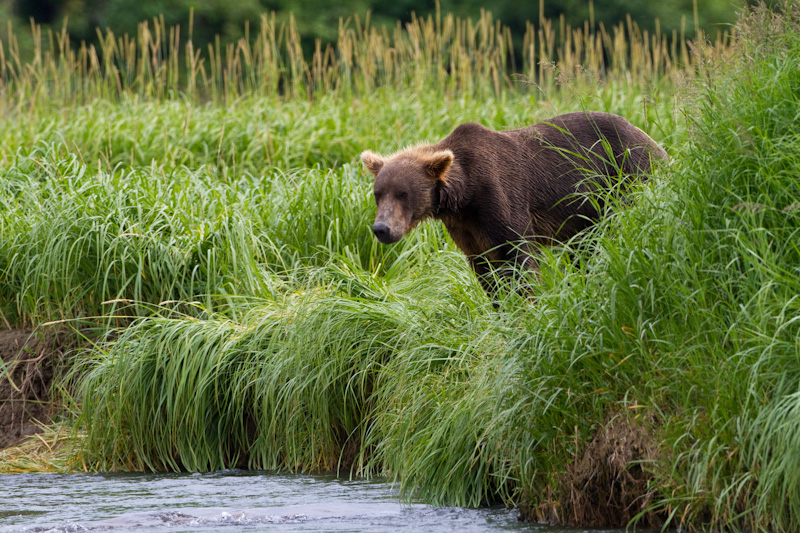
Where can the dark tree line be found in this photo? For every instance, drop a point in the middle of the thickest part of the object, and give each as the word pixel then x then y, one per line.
pixel 320 18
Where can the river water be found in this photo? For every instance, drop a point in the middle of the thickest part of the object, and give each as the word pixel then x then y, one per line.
pixel 232 500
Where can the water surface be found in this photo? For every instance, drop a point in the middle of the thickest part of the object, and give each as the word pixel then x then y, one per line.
pixel 232 500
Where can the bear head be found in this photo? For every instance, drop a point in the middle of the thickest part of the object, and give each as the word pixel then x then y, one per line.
pixel 407 186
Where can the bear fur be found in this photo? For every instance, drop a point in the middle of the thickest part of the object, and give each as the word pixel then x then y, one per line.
pixel 501 194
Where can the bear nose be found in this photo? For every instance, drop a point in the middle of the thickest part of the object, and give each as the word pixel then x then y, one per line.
pixel 381 231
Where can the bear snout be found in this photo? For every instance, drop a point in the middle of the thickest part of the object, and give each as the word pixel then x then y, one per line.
pixel 383 232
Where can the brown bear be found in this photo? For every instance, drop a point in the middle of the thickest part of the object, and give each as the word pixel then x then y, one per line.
pixel 501 194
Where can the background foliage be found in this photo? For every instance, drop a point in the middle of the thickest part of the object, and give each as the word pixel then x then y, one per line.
pixel 319 19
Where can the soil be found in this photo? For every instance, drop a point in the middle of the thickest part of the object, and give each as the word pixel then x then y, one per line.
pixel 26 376
pixel 608 483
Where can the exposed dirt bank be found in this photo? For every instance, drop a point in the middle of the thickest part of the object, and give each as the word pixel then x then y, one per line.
pixel 607 485
pixel 26 376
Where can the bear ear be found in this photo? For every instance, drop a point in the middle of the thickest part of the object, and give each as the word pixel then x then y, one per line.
pixel 372 161
pixel 438 163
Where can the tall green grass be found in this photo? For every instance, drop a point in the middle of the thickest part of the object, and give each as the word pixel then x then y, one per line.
pixel 150 201
pixel 257 134
pixel 686 318
pixel 82 242
pixel 288 385
pixel 76 238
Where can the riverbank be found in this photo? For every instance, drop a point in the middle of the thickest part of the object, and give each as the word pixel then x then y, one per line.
pixel 34 431
pixel 25 388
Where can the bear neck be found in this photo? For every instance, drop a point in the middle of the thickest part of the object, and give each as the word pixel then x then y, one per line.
pixel 454 194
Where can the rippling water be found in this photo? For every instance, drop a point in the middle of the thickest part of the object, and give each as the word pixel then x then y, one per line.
pixel 234 500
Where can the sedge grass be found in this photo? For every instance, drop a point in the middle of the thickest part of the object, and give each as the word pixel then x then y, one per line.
pixel 159 201
pixel 86 237
pixel 256 134
pixel 84 242
pixel 688 314
pixel 287 385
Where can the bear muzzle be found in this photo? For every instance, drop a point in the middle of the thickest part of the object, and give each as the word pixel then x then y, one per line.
pixel 384 233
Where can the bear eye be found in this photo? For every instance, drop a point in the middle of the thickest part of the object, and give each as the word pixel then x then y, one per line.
pixel 401 195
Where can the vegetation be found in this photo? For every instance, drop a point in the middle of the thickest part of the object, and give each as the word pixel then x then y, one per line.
pixel 202 213
pixel 320 20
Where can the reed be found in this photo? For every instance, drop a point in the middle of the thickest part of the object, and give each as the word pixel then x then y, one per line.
pixel 440 52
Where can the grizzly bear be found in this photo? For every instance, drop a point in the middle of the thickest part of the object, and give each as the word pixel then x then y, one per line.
pixel 501 194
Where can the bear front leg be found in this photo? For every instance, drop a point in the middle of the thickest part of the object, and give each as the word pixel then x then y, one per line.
pixel 485 273
pixel 506 267
pixel 525 257
pixel 521 258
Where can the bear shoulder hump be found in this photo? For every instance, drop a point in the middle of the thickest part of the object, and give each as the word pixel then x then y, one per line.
pixel 468 135
pixel 470 129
